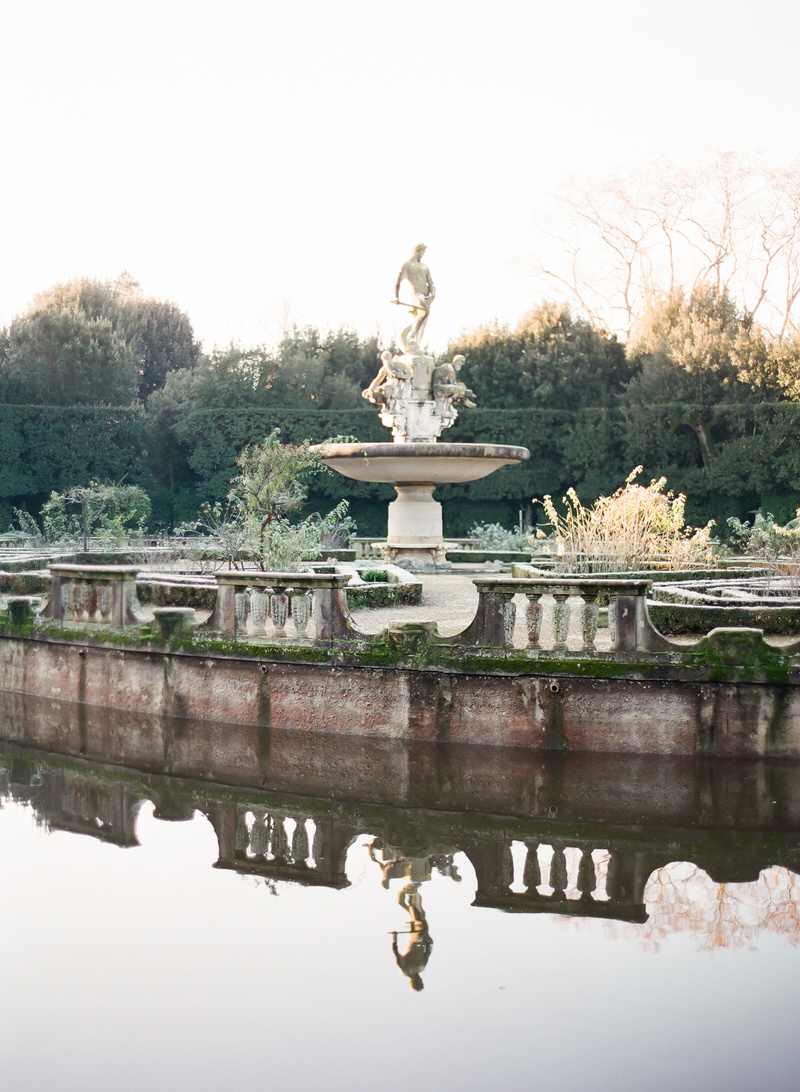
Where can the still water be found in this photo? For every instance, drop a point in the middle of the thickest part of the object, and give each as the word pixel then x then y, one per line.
pixel 365 915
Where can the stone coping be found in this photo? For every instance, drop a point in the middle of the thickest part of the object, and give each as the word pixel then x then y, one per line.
pixel 306 581
pixel 95 572
pixel 520 584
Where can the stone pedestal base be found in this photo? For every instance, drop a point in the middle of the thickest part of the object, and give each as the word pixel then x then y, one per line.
pixel 415 516
pixel 412 556
pixel 415 538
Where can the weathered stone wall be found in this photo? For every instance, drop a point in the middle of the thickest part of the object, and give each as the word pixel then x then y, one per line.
pixel 529 710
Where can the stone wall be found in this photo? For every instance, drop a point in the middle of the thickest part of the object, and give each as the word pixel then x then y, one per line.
pixel 537 711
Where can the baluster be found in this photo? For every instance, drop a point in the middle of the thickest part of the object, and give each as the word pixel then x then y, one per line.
pixel 259 602
pixel 68 600
pixel 76 601
pixel 560 618
pixel 558 872
pixel 240 609
pixel 586 874
pixel 279 610
pixel 534 616
pixel 241 835
pixel 299 850
pixel 301 611
pixel 91 600
pixel 509 617
pixel 258 836
pixel 532 874
pixel 591 613
pixel 279 845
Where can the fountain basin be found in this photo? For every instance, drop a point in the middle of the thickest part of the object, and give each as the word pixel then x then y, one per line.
pixel 420 463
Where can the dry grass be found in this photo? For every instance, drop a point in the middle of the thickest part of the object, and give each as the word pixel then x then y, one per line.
pixel 638 527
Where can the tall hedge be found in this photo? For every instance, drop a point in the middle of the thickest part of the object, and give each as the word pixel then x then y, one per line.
pixel 53 447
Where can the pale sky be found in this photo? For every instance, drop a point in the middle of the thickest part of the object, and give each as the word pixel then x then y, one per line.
pixel 256 161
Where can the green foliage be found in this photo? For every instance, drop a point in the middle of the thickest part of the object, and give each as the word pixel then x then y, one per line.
pixel 63 358
pixel 87 342
pixel 254 524
pixel 48 448
pixel 551 360
pixel 765 537
pixel 103 508
pixel 493 536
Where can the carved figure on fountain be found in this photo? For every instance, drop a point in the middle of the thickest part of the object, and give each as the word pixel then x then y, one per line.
pixel 423 291
pixel 449 392
pixel 389 388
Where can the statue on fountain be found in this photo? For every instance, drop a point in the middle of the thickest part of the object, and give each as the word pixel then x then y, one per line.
pixel 417 398
pixel 423 290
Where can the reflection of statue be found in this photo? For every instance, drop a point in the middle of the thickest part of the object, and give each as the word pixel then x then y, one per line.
pixel 448 390
pixel 413 959
pixel 388 388
pixel 422 290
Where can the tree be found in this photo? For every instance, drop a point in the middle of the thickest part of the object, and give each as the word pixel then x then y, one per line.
pixel 551 360
pixel 64 358
pixel 105 507
pixel 157 334
pixel 730 223
pixel 696 353
pixel 162 340
pixel 255 525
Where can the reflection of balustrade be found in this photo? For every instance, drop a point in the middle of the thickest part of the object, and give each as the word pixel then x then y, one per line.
pixel 94 593
pixel 261 604
pixel 565 601
pixel 281 845
pixel 559 876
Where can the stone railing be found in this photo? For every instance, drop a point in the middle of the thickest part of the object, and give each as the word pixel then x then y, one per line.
pixel 262 604
pixel 94 593
pixel 564 600
pixel 561 614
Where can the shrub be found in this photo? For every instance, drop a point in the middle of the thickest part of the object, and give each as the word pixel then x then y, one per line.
pixel 637 527
pixel 493 536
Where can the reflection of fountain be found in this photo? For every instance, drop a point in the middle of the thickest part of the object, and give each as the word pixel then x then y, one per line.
pixel 418 398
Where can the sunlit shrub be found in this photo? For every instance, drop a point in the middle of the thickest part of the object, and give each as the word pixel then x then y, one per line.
pixel 637 527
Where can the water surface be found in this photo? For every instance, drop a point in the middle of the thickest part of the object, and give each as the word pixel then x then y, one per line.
pixel 356 915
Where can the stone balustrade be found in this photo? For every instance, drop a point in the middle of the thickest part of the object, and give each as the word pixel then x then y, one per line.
pixel 259 604
pixel 564 599
pixel 94 593
pixel 561 613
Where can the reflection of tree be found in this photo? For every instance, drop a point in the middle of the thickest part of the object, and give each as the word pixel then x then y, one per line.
pixel 681 897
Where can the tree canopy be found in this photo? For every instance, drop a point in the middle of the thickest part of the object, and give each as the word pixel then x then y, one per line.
pixel 551 360
pixel 85 342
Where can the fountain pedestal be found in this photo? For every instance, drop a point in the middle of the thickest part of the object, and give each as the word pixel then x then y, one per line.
pixel 415 533
pixel 415 538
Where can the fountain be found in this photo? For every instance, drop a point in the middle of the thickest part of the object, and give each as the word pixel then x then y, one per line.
pixel 418 398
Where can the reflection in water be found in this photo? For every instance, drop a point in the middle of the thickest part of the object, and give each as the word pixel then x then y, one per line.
pixel 657 874
pixel 414 951
pixel 681 897
pixel 150 970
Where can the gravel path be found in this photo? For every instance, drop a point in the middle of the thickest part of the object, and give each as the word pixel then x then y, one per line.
pixel 449 599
